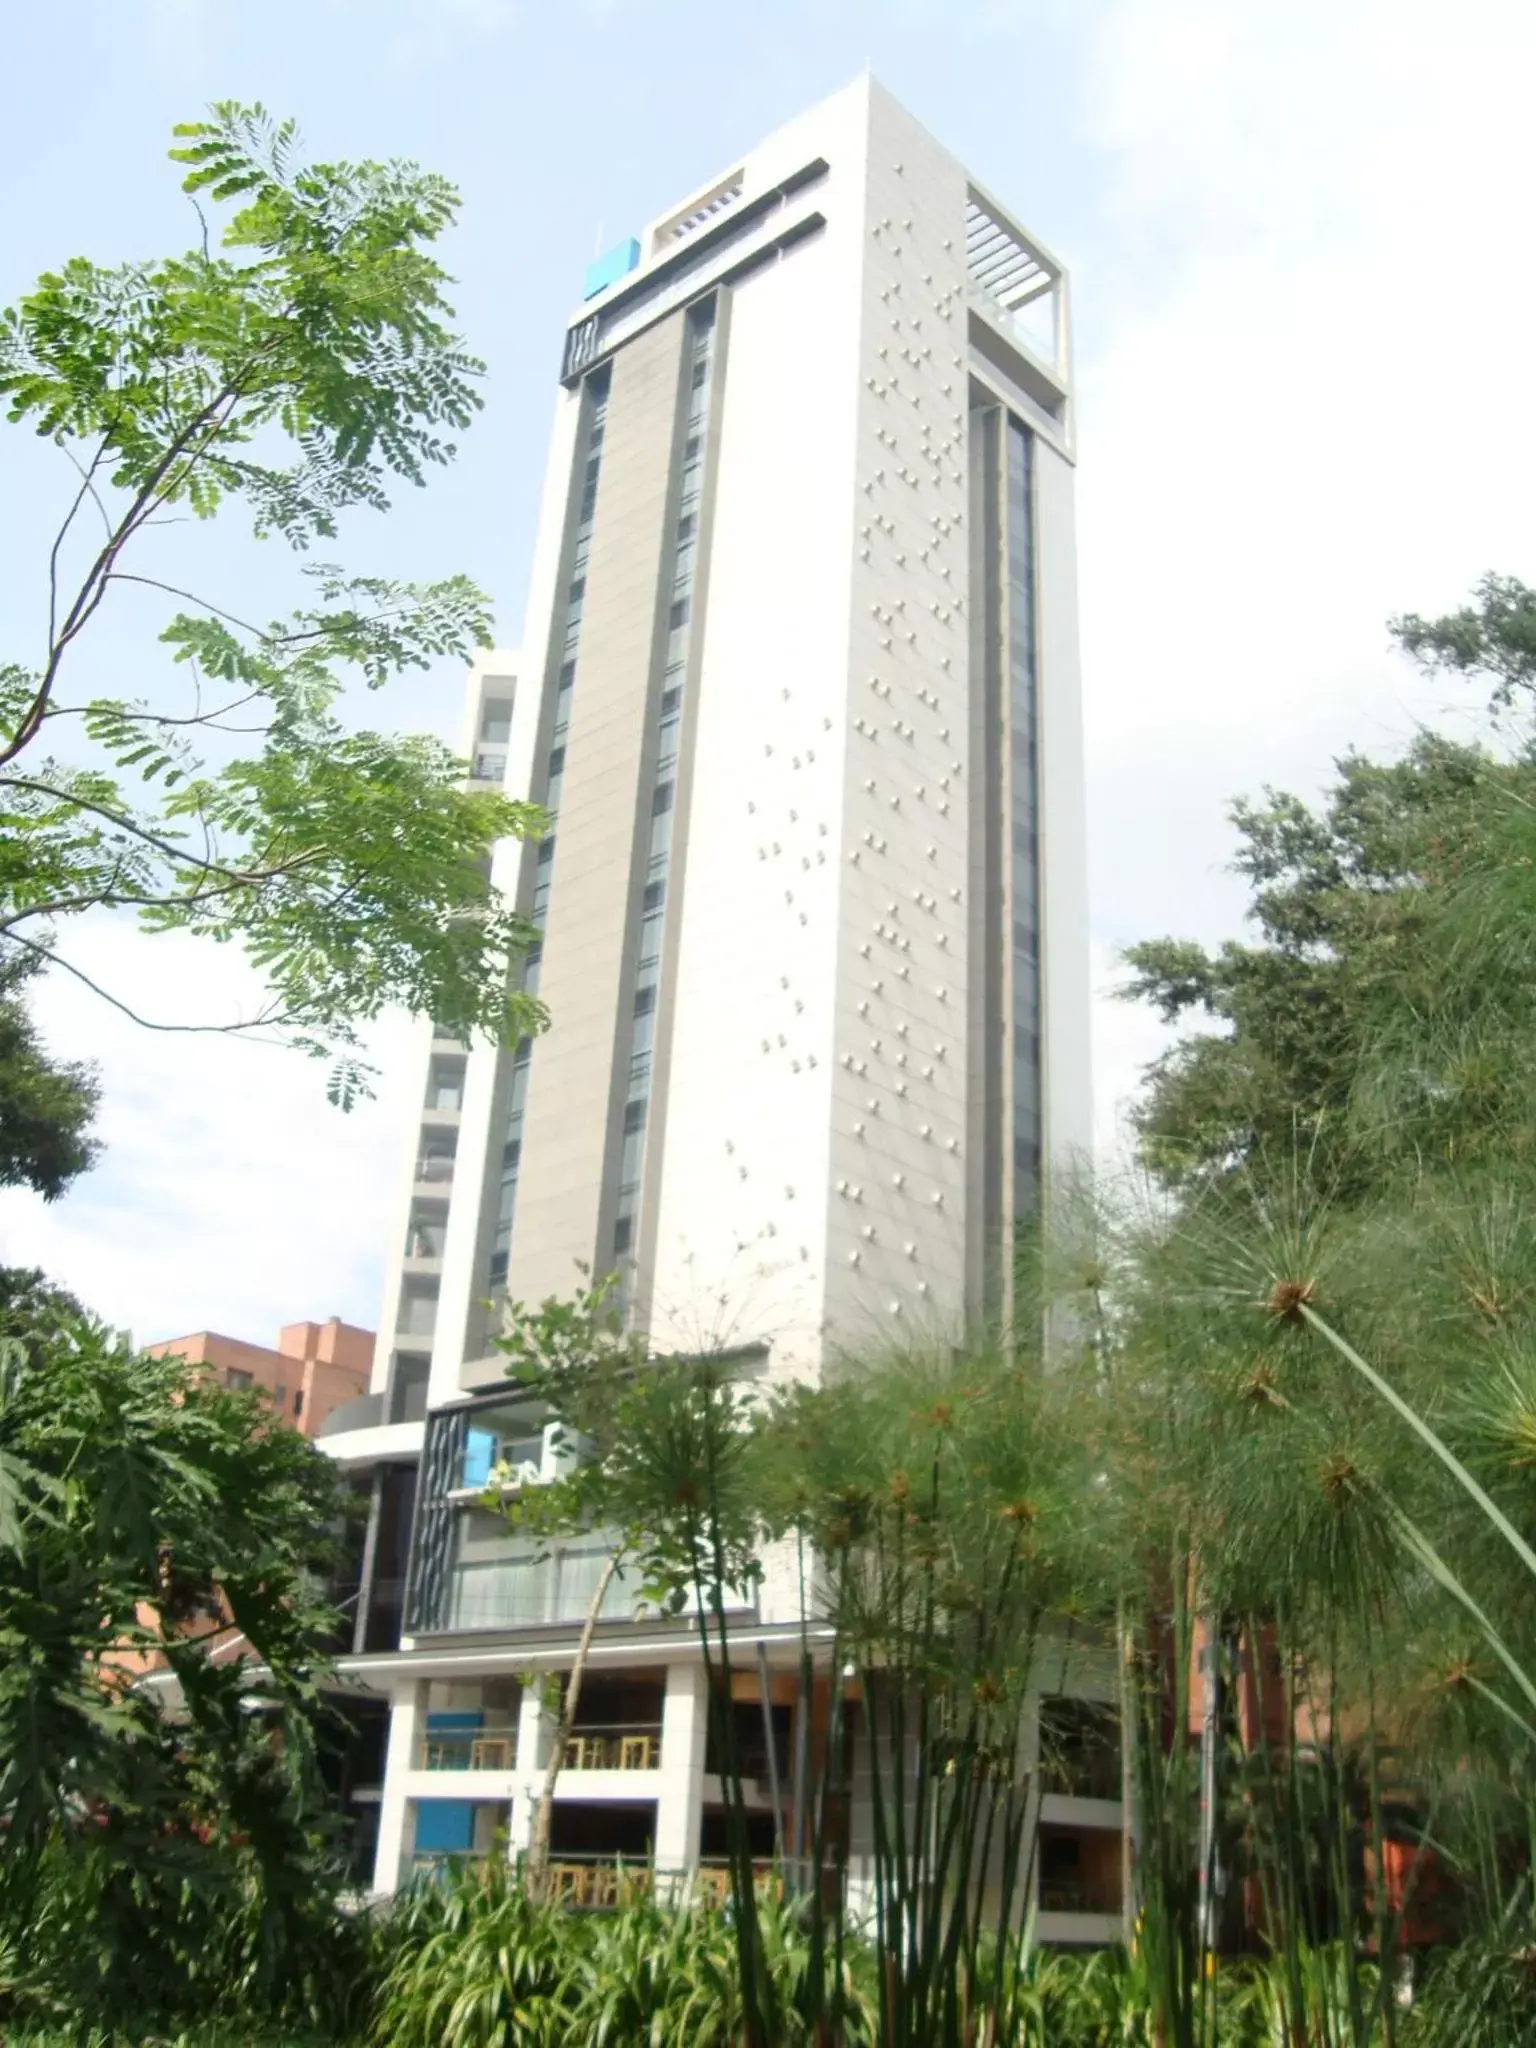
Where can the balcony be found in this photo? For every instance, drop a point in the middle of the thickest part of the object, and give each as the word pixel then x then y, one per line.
pixel 434 1171
pixel 363 1411
pixel 1080 1750
pixel 1080 1870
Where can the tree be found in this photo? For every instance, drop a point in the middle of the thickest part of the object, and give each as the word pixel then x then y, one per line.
pixel 1315 1382
pixel 1381 1011
pixel 46 1106
pixel 298 368
pixel 161 1836
pixel 660 1458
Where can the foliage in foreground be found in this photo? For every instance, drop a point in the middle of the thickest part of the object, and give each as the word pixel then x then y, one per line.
pixel 299 362
pixel 167 1845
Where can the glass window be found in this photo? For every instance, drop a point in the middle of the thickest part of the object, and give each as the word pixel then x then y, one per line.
pixel 629 1159
pixel 556 778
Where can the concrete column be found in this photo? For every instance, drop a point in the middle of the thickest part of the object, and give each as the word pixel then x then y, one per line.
pixel 407 1713
pixel 532 1755
pixel 680 1802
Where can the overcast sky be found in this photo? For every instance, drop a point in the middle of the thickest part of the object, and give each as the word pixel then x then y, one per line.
pixel 1300 243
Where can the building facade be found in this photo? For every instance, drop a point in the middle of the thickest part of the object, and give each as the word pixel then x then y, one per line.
pixel 798 687
pixel 316 1368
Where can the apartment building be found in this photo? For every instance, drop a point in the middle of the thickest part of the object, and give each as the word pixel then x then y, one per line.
pixel 315 1369
pixel 799 687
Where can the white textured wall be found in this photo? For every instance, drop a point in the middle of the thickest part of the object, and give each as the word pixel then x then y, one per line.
pixel 741 1221
pixel 898 1200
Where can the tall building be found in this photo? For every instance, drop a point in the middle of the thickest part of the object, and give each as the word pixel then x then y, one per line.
pixel 798 686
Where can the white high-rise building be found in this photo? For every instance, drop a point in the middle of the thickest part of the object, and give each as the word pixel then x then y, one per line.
pixel 799 687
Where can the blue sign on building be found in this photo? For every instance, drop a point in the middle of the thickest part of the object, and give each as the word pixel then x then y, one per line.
pixel 609 269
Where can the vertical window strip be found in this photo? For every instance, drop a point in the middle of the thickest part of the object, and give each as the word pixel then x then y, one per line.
pixel 678 580
pixel 1023 716
pixel 553 780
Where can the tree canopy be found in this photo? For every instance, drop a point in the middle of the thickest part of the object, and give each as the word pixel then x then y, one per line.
pixel 1380 1012
pixel 46 1105
pixel 298 365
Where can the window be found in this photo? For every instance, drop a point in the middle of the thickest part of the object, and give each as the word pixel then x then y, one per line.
pixel 298 1403
pixel 445 1085
pixel 237 1381
pixel 634 1115
pixel 426 1237
pixel 629 1159
pixel 418 1310
pixel 678 616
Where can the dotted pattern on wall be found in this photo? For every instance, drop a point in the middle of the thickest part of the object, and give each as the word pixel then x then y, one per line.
pixel 814 1181
pixel 898 1215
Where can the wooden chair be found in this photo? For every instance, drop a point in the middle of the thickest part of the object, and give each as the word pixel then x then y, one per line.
pixel 571 1883
pixel 576 1753
pixel 491 1753
pixel 637 1753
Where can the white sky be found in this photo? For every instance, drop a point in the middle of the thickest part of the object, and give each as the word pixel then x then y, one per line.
pixel 1305 304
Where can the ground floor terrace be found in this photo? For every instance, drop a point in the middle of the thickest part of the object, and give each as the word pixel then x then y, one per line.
pixel 641 1801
